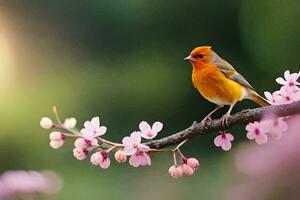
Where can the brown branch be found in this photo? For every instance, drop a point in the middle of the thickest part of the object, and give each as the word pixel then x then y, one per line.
pixel 245 116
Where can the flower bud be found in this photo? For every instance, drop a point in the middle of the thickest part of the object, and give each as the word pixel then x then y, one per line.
pixel 70 123
pixel 193 163
pixel 187 170
pixel 55 135
pixel 80 154
pixel 95 158
pixel 46 123
pixel 101 159
pixel 81 143
pixel 56 144
pixel 120 156
pixel 175 171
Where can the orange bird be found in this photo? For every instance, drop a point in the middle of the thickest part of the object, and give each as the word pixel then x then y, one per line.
pixel 218 82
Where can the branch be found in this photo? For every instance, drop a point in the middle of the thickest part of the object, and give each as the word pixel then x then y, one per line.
pixel 244 116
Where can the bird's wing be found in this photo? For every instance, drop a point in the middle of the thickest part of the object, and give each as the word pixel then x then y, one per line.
pixel 232 74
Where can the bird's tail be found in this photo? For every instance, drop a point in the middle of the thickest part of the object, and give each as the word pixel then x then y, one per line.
pixel 258 99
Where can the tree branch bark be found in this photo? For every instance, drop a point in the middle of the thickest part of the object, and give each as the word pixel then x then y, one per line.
pixel 244 116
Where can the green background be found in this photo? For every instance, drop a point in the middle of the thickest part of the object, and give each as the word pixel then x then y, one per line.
pixel 123 60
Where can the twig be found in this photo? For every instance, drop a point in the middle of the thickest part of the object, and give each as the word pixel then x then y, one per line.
pixel 245 116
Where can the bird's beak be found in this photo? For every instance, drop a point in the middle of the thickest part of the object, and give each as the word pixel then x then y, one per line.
pixel 190 58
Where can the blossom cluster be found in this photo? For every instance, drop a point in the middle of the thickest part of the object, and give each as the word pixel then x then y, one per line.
pixel 89 142
pixel 270 126
pixel 16 184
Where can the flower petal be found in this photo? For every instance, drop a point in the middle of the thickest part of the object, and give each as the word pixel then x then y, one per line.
pixel 218 140
pixel 144 127
pixel 135 137
pixel 281 81
pixel 126 140
pixel 157 127
pixel 261 139
pixel 250 135
pixel 268 95
pixel 96 121
pixel 129 150
pixel 226 145
pixel 287 74
pixel 144 148
pixel 101 130
pixel 87 124
pixel 145 159
pixel 229 137
pixel 134 160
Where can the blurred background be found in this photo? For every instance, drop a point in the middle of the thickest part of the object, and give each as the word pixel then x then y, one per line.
pixel 123 61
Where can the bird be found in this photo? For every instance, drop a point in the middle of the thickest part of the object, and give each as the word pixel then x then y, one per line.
pixel 218 82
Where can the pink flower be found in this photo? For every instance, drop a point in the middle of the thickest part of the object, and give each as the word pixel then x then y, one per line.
pixel 14 184
pixel 70 123
pixel 224 141
pixel 289 95
pixel 80 154
pixel 101 159
pixel 133 143
pixel 290 79
pixel 275 98
pixel 140 158
pixel 46 123
pixel 93 129
pixel 187 170
pixel 85 144
pixel 257 131
pixel 193 163
pixel 278 126
pixel 56 139
pixel 120 156
pixel 147 132
pixel 176 171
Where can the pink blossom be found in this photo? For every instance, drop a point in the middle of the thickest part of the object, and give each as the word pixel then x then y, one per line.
pixel 289 95
pixel 46 123
pixel 147 132
pixel 193 163
pixel 176 171
pixel 14 184
pixel 187 170
pixel 70 123
pixel 257 131
pixel 133 143
pixel 224 141
pixel 93 129
pixel 80 154
pixel 275 98
pixel 278 126
pixel 85 144
pixel 56 139
pixel 140 158
pixel 290 79
pixel 101 159
pixel 56 144
pixel 120 156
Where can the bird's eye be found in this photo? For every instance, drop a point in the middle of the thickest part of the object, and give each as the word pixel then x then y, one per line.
pixel 200 56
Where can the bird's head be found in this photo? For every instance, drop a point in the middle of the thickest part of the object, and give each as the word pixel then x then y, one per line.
pixel 201 56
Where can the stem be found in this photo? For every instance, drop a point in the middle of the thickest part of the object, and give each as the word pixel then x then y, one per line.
pixel 56 114
pixel 174 158
pixel 109 142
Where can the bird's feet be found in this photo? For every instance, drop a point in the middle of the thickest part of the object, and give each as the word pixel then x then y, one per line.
pixel 225 120
pixel 206 119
